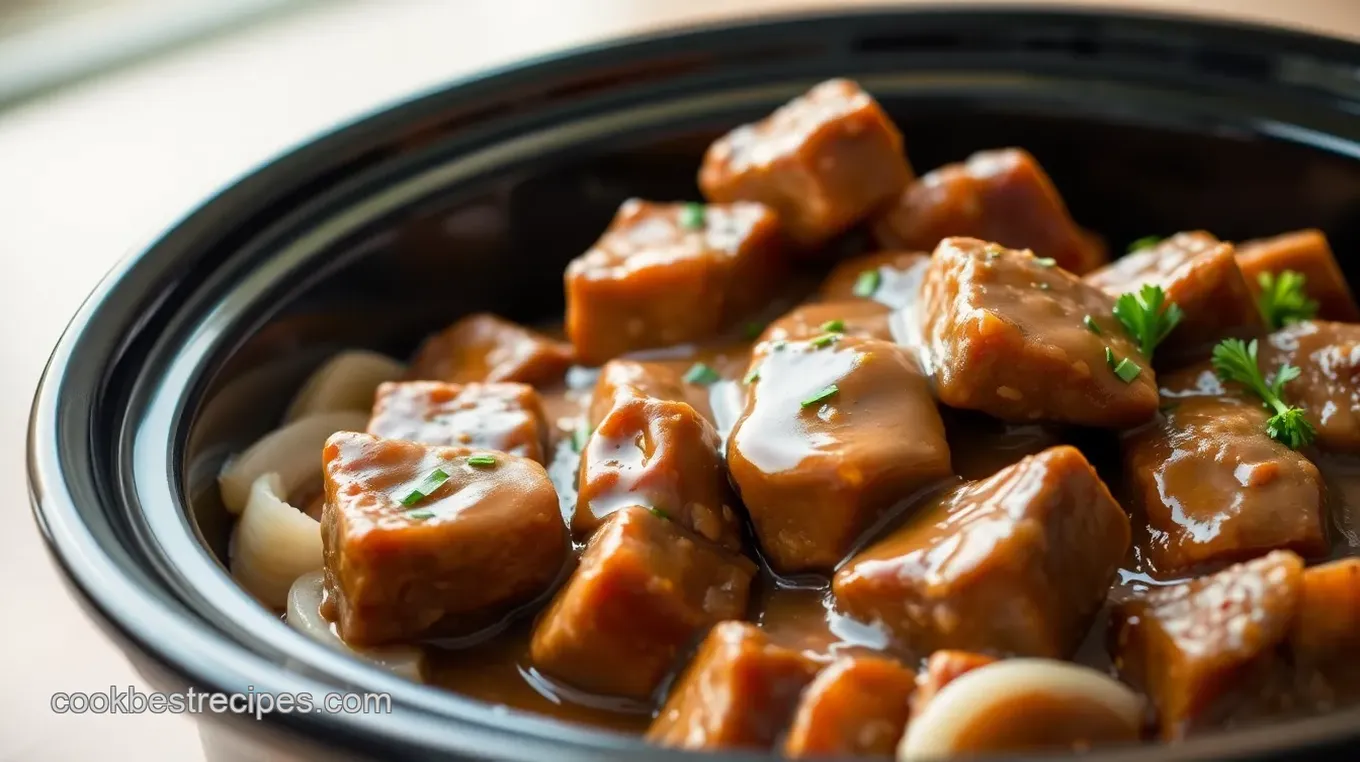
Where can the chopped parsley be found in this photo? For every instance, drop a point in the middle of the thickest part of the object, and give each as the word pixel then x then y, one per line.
pixel 1147 316
pixel 1146 242
pixel 825 340
pixel 834 326
pixel 1283 300
pixel 822 395
pixel 692 216
pixel 1235 360
pixel 1127 370
pixel 866 285
pixel 701 373
pixel 580 436
pixel 426 487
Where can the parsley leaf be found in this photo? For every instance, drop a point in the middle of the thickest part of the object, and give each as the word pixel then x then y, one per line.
pixel 1147 316
pixel 1235 360
pixel 1283 300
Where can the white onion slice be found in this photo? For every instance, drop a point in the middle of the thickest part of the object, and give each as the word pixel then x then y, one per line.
pixel 293 452
pixel 346 382
pixel 966 707
pixel 273 544
pixel 304 615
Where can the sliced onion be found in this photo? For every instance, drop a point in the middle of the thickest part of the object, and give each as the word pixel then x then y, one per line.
pixel 293 452
pixel 304 615
pixel 346 382
pixel 273 543
pixel 966 708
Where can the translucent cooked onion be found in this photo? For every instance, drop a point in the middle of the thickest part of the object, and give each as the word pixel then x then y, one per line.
pixel 293 452
pixel 965 713
pixel 346 382
pixel 273 543
pixel 304 615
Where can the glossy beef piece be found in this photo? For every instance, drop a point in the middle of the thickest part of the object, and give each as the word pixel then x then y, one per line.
pixel 645 588
pixel 663 274
pixel 739 691
pixel 1200 274
pixel 662 380
pixel 891 278
pixel 486 539
pixel 1002 196
pixel 820 451
pixel 856 707
pixel 1328 389
pixel 483 347
pixel 1305 252
pixel 809 321
pixel 1326 624
pixel 1015 564
pixel 658 454
pixel 823 161
pixel 943 668
pixel 1214 488
pixel 498 416
pixel 1005 335
pixel 1189 646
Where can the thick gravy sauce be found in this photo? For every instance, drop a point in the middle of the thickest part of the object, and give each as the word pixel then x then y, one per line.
pixel 799 612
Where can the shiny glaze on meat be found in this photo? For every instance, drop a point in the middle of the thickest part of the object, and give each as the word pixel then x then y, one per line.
pixel 796 612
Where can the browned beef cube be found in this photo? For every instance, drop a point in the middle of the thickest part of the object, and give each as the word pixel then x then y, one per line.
pixel 1002 196
pixel 1200 274
pixel 666 274
pixel 662 380
pixel 823 161
pixel 819 452
pixel 1214 488
pixel 1005 333
pixel 1328 389
pixel 662 455
pixel 1188 646
pixel 857 706
pixel 1015 564
pixel 497 416
pixel 1326 623
pixel 1305 252
pixel 483 347
pixel 943 668
pixel 423 541
pixel 739 692
pixel 891 278
pixel 645 588
pixel 809 321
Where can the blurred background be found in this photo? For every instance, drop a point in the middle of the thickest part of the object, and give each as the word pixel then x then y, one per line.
pixel 117 116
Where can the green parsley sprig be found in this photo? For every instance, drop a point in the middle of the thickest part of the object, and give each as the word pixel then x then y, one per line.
pixel 1283 300
pixel 425 488
pixel 1147 316
pixel 1146 242
pixel 692 216
pixel 1235 360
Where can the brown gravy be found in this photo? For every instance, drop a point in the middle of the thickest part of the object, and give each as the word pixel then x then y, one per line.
pixel 798 613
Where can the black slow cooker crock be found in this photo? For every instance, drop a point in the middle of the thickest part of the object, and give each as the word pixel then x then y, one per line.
pixel 474 196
